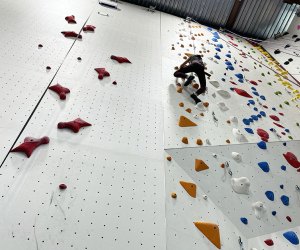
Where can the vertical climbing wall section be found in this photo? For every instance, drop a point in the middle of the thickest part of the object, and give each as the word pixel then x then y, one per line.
pixel 96 178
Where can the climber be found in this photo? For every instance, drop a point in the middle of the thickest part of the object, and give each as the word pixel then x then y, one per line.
pixel 193 64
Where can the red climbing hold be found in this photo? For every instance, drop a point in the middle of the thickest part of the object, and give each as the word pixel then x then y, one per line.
pixel 263 134
pixel 70 19
pixel 275 118
pixel 265 106
pixel 253 82
pixel 234 44
pixel 289 218
pixel 71 34
pixel 242 92
pixel 89 28
pixel 283 133
pixel 282 114
pixel 60 90
pixel 62 186
pixel 232 82
pixel 30 144
pixel 74 125
pixel 269 242
pixel 120 59
pixel 278 125
pixel 292 159
pixel 102 73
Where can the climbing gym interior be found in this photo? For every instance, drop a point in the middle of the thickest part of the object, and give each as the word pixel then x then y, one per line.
pixel 103 148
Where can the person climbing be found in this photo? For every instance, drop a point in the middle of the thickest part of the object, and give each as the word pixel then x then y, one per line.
pixel 193 64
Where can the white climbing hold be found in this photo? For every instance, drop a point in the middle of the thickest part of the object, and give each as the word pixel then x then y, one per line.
pixel 214 155
pixel 200 106
pixel 215 84
pixel 225 94
pixel 208 142
pixel 222 106
pixel 196 116
pixel 238 135
pixel 214 95
pixel 259 209
pixel 240 185
pixel 234 119
pixel 205 197
pixel 236 156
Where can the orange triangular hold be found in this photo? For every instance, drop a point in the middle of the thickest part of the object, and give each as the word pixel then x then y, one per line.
pixel 200 165
pixel 211 231
pixel 189 187
pixel 185 122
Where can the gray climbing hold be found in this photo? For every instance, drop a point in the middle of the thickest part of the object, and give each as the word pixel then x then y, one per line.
pixel 259 209
pixel 236 156
pixel 241 185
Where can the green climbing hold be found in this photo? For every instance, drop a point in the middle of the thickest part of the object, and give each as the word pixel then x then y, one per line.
pixel 280 105
pixel 287 103
pixel 269 83
pixel 298 124
pixel 290 137
pixel 262 74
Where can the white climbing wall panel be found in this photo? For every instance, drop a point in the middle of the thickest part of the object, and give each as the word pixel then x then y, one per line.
pixel 23 74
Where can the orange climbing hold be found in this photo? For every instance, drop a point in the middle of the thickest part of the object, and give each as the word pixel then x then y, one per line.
pixel 185 140
pixel 200 165
pixel 205 104
pixel 169 158
pixel 211 231
pixel 179 89
pixel 181 104
pixel 199 142
pixel 188 110
pixel 189 187
pixel 185 122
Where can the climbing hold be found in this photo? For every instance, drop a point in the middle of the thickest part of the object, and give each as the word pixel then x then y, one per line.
pixel 262 133
pixel 254 117
pixel 249 130
pixel 263 97
pixel 242 92
pixel 169 158
pixel 274 117
pixel 274 213
pixel 120 59
pixel 289 218
pixel 79 58
pixel 254 83
pixel 199 142
pixel 291 237
pixel 236 156
pixel 88 27
pixel 71 34
pixel 269 242
pixel 240 185
pixel 246 121
pixel 185 140
pixel 179 89
pixel 263 113
pixel 292 159
pixel 114 83
pixel 211 231
pixel 238 135
pixel 200 165
pixel 206 104
pixel 259 209
pixel 222 106
pixel 234 120
pixel 188 110
pixel 244 220
pixel 74 125
pixel 264 166
pixel 270 195
pixel 181 104
pixel 228 141
pixel 185 122
pixel 101 73
pixel 30 144
pixel 223 93
pixel 262 145
pixel 48 68
pixel 62 186
pixel 174 195
pixel 285 200
pixel 40 46
pixel 283 168
pixel 70 19
pixel 189 187
pixel 281 186
pixel 60 90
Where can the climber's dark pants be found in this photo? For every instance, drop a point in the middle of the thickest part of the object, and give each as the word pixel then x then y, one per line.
pixel 196 68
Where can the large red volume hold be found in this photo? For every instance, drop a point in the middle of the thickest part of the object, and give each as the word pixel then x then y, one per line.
pixel 74 125
pixel 102 73
pixel 60 90
pixel 242 92
pixel 30 144
pixel 71 34
pixel 292 159
pixel 120 59
pixel 70 19
pixel 269 242
pixel 89 28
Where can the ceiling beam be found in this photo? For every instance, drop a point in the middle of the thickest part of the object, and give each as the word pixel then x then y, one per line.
pixel 234 13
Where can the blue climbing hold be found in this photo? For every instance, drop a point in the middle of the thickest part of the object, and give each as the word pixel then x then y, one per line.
pixel 291 237
pixel 228 55
pixel 263 97
pixel 254 117
pixel 287 130
pixel 255 109
pixel 244 220
pixel 248 104
pixel 246 121
pixel 228 63
pixel 218 49
pixel 250 120
pixel 270 195
pixel 216 35
pixel 217 57
pixel 215 39
pixel 272 129
pixel 251 102
pixel 223 79
pixel 239 75
pixel 262 145
pixel 241 80
pixel 249 130
pixel 281 186
pixel 264 166
pixel 220 45
pixel 284 144
pixel 274 213
pixel 285 200
pixel 253 88
pixel 230 67
pixel 263 113
pixel 274 109
pixel 259 115
pixel 283 168
pixel 255 93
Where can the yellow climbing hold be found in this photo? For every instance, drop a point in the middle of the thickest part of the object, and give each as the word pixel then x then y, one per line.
pixel 185 122
pixel 200 165
pixel 211 231
pixel 189 187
